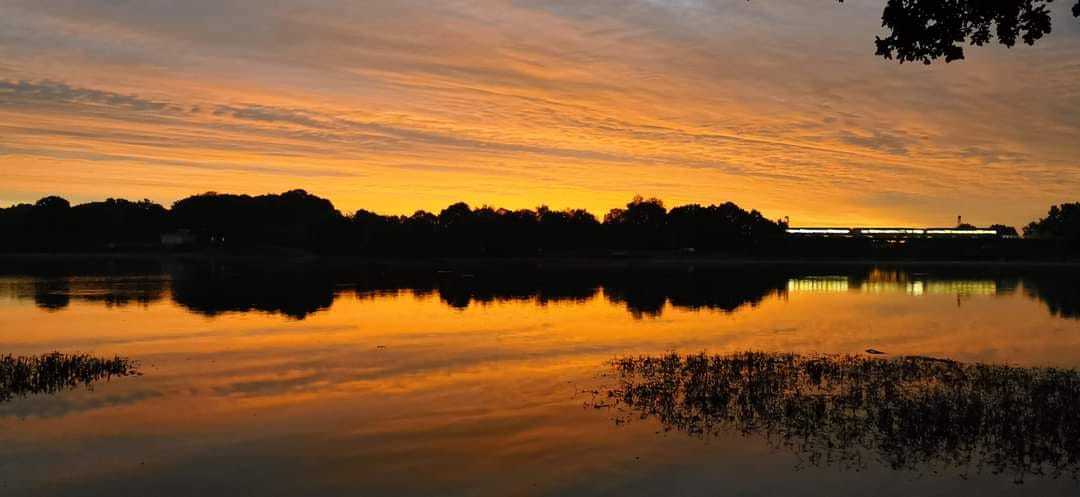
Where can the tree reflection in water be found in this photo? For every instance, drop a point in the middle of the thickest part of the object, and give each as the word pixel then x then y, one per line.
pixel 909 413
pixel 55 372
pixel 298 290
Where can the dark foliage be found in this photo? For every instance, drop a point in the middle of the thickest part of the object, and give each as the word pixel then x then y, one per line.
pixel 52 373
pixel 52 224
pixel 642 225
pixel 1004 230
pixel 291 219
pixel 1061 223
pixel 927 30
pixel 298 223
pixel 299 220
pixel 908 413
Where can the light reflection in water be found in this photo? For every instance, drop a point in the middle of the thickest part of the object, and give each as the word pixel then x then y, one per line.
pixel 878 281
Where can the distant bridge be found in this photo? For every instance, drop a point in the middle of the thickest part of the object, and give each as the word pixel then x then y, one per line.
pixel 893 233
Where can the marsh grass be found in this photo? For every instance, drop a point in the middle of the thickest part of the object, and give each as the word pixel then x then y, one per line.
pixel 907 413
pixel 55 372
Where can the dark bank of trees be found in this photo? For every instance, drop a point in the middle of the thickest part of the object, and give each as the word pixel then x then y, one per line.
pixel 1062 222
pixel 1060 229
pixel 52 224
pixel 294 219
pixel 299 220
pixel 644 224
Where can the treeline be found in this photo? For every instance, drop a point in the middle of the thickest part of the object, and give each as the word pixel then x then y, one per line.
pixel 299 220
pixel 52 224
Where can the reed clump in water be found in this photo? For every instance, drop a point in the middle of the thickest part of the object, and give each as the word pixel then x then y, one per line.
pixel 906 413
pixel 55 372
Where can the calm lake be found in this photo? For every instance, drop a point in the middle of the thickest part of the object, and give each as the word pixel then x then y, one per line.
pixel 523 381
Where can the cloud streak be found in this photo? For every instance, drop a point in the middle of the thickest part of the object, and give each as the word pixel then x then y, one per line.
pixel 30 94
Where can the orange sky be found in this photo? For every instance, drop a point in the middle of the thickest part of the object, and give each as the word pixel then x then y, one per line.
pixel 396 106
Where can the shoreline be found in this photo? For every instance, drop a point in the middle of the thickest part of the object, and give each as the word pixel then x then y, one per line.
pixel 637 261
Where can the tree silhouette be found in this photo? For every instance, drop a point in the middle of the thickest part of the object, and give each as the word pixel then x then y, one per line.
pixel 567 229
pixel 723 227
pixel 118 222
pixel 52 202
pixel 299 223
pixel 292 219
pixel 1004 230
pixel 1061 222
pixel 927 30
pixel 640 225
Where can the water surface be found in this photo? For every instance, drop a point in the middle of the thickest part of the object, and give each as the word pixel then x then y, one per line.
pixel 441 381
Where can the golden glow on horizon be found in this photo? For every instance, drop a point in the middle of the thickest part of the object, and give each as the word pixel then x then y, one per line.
pixel 398 106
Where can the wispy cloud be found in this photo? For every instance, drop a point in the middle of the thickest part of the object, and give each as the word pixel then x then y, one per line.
pixel 34 94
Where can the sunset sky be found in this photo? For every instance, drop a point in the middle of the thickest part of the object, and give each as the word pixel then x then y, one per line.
pixel 395 106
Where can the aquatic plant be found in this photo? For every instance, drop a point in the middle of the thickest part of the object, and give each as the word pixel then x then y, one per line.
pixel 907 413
pixel 55 372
